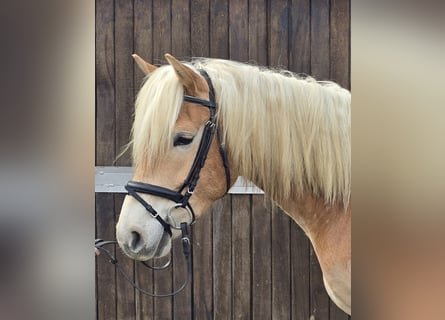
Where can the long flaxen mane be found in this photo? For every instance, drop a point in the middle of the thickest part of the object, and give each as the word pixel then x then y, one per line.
pixel 288 134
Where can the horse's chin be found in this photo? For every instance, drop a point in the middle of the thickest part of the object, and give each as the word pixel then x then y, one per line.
pixel 159 250
pixel 164 246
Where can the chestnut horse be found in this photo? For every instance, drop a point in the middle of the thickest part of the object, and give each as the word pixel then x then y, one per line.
pixel 287 134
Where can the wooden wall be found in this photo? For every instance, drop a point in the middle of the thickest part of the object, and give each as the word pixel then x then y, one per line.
pixel 250 261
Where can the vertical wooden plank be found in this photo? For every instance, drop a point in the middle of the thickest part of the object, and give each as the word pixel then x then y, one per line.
pixel 335 313
pixel 320 66
pixel 142 36
pixel 203 267
pixel 279 33
pixel 281 280
pixel 124 78
pixel 300 62
pixel 241 256
pixel 219 29
pixel 163 281
pixel 340 61
pixel 239 30
pixel 182 303
pixel 125 297
pixel 143 45
pixel 105 102
pixel 144 304
pixel 300 273
pixel 105 150
pixel 261 259
pixel 202 231
pixel 340 42
pixel 319 298
pixel 222 259
pixel 105 271
pixel 281 289
pixel 162 29
pixel 320 69
pixel 261 216
pixel 199 26
pixel 181 29
pixel 258 31
pixel 300 36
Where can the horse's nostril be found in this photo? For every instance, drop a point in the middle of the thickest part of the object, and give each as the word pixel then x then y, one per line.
pixel 135 242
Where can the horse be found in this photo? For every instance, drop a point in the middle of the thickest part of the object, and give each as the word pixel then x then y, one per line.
pixel 287 133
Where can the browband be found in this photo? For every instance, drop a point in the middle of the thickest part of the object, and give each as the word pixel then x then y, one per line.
pixel 206 103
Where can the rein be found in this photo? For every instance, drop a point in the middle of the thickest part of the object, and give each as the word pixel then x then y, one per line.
pixel 181 200
pixel 186 250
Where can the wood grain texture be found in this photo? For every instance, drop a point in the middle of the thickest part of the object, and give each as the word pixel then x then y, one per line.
pixel 238 31
pixel 318 296
pixel 241 257
pixel 144 305
pixel 162 40
pixel 320 66
pixel 335 313
pixel 281 280
pixel 261 259
pixel 105 272
pixel 203 267
pixel 300 278
pixel 180 48
pixel 142 36
pixel 219 29
pixel 279 34
pixel 202 230
pixel 340 28
pixel 163 283
pixel 181 29
pixel 222 259
pixel 105 92
pixel 199 22
pixel 143 46
pixel 125 295
pixel 300 36
pixel 124 79
pixel 162 30
pixel 300 62
pixel 258 23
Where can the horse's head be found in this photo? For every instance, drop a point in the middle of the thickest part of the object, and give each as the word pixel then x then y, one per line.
pixel 167 134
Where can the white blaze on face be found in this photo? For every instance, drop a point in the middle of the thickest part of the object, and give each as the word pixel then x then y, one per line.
pixel 138 233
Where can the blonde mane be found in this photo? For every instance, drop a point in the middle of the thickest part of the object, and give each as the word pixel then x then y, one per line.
pixel 287 134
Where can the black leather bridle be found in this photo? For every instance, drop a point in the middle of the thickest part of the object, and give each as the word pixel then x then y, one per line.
pixel 181 200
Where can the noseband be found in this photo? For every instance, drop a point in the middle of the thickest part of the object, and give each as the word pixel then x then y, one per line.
pixel 181 200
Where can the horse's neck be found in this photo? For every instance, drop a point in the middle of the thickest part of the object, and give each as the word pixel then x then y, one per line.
pixel 315 217
pixel 329 229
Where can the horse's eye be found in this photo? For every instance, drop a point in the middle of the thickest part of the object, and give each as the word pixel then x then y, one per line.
pixel 182 141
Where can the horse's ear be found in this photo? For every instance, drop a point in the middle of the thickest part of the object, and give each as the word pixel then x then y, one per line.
pixel 187 76
pixel 146 67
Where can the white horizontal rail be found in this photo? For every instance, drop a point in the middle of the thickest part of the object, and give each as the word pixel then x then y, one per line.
pixel 113 180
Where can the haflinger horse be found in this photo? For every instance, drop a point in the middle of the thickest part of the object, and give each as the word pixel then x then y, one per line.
pixel 288 134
